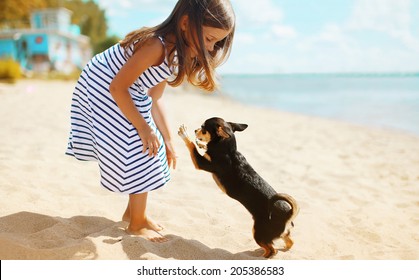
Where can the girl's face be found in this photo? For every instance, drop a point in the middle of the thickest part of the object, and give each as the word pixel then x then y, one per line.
pixel 211 36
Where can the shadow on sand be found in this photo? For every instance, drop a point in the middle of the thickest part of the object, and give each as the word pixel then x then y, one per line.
pixel 27 235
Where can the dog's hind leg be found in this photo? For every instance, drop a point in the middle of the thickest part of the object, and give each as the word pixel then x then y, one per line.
pixel 260 236
pixel 287 239
pixel 269 249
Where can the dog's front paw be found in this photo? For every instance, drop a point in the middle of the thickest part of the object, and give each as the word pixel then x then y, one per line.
pixel 182 132
pixel 201 145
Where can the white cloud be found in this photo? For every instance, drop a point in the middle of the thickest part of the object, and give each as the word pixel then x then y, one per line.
pixel 338 47
pixel 260 24
pixel 381 15
pixel 125 8
pixel 386 16
pixel 126 4
pixel 283 31
pixel 331 35
pixel 333 49
pixel 136 4
pixel 243 38
pixel 259 12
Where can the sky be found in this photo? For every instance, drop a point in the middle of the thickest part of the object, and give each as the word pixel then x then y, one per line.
pixel 301 36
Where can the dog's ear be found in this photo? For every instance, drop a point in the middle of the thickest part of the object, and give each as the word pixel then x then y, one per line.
pixel 238 126
pixel 221 131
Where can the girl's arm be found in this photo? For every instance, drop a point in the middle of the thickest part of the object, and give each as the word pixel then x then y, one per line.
pixel 159 115
pixel 149 54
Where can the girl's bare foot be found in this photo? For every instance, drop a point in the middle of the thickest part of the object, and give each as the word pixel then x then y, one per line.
pixel 151 223
pixel 154 225
pixel 146 231
pixel 139 224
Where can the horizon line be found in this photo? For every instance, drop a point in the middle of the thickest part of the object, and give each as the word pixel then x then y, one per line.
pixel 353 74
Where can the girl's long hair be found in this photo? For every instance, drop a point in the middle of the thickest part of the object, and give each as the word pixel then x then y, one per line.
pixel 199 71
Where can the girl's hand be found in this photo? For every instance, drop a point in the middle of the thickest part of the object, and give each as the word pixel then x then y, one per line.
pixel 150 141
pixel 171 154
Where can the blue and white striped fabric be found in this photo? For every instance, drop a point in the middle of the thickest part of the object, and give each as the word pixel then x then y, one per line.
pixel 100 132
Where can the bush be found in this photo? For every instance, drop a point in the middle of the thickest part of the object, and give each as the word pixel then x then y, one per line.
pixel 10 69
pixel 106 43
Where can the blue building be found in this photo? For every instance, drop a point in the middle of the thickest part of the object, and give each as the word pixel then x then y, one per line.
pixel 52 43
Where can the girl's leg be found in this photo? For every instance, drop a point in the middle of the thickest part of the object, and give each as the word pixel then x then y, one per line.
pixel 127 218
pixel 138 222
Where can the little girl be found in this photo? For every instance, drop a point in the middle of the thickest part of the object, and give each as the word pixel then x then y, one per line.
pixel 117 116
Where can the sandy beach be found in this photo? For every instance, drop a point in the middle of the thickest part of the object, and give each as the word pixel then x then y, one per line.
pixel 357 187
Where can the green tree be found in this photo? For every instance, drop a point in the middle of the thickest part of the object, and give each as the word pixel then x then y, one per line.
pixel 108 42
pixel 16 13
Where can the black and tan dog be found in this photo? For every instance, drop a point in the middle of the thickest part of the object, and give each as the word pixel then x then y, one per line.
pixel 272 212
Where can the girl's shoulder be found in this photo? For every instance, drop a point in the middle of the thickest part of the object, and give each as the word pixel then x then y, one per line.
pixel 155 45
pixel 155 41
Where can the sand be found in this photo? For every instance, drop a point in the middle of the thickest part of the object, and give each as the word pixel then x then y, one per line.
pixel 357 187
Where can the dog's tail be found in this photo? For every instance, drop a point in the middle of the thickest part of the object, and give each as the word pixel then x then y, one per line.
pixel 287 198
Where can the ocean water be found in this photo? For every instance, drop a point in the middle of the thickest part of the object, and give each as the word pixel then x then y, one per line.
pixel 381 101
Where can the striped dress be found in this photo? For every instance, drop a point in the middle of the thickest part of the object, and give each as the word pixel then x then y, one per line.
pixel 100 132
